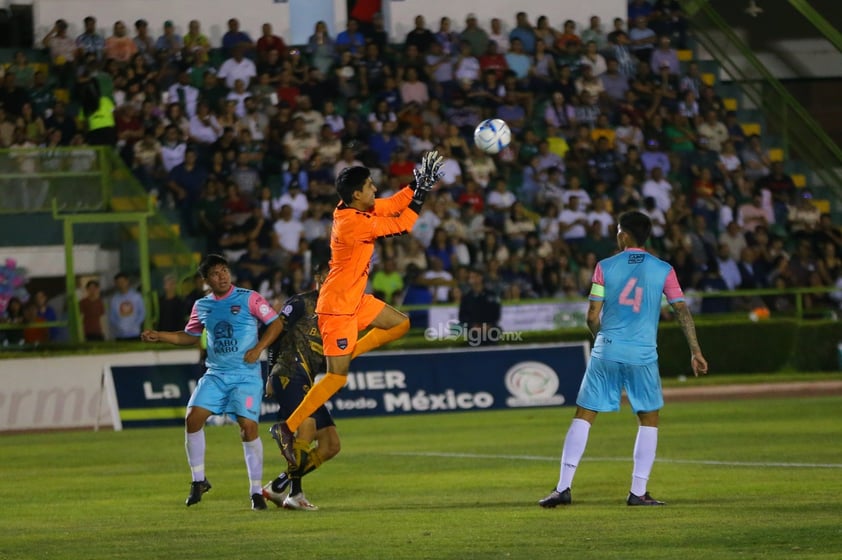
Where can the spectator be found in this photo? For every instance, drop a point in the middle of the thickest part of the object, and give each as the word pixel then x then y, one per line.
pixel 566 36
pixel 734 239
pixel 477 37
pixel 573 222
pixel 498 37
pixel 196 44
pixel 479 310
pixel 288 230
pixel 127 311
pixel 419 37
pixel 185 184
pixel 387 283
pixel 269 42
pixel 120 46
pixel 237 68
pixel 89 42
pixel 204 129
pixel 728 266
pixel 352 41
pixel 642 39
pixel 524 33
pixel 665 55
pixel 756 161
pixel 33 334
pixel 321 48
pixel 234 39
pixel 92 309
pixel 595 34
pixel 293 196
pixel 171 316
pixel 143 42
pixel 782 187
pixel 62 52
pixel 592 58
pixel 714 130
pixel 169 44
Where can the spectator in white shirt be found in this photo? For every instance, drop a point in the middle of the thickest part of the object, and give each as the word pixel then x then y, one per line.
pixel 238 96
pixel 237 68
pixel 499 36
pixel 184 94
pixel 714 130
pixel 658 188
pixel 573 222
pixel 599 214
pixel 466 67
pixel 295 199
pixel 172 149
pixel 288 230
pixel 348 159
pixel 204 128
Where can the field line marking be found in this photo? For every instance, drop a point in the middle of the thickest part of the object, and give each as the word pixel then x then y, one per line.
pixel 768 464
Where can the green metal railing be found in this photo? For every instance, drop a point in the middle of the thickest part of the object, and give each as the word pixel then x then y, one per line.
pixel 819 21
pixel 76 178
pixel 802 136
pixel 88 185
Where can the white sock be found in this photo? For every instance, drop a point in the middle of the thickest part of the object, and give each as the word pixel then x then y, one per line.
pixel 253 451
pixel 195 445
pixel 644 457
pixel 574 448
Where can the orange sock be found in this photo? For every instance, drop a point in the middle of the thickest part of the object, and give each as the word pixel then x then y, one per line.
pixel 315 397
pixel 376 338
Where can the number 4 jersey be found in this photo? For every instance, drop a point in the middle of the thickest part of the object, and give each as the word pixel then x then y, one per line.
pixel 631 284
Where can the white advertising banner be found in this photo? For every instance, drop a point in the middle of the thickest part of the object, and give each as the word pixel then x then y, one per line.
pixel 514 318
pixel 68 391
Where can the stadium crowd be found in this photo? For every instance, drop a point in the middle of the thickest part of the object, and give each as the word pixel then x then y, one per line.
pixel 244 140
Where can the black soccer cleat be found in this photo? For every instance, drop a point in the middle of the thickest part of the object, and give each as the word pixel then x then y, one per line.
pixel 258 502
pixel 285 439
pixel 197 488
pixel 644 500
pixel 556 498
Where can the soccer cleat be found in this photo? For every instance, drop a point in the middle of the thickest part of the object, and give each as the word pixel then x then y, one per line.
pixel 284 438
pixel 556 498
pixel 197 488
pixel 258 502
pixel 276 496
pixel 299 502
pixel 644 500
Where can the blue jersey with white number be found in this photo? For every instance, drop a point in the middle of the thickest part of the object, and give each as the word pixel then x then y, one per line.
pixel 630 284
pixel 231 324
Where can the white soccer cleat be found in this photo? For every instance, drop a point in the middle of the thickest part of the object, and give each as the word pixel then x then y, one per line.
pixel 299 501
pixel 276 498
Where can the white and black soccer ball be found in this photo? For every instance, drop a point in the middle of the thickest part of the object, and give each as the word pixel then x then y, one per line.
pixel 492 135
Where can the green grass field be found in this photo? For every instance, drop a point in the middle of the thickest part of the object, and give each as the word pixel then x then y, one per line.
pixel 743 479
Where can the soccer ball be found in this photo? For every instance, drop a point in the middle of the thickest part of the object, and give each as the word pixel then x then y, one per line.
pixel 492 135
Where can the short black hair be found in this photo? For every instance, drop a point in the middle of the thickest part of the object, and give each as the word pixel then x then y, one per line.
pixel 637 224
pixel 121 275
pixel 351 180
pixel 211 261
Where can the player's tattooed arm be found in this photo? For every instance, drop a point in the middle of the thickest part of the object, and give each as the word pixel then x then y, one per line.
pixel 688 327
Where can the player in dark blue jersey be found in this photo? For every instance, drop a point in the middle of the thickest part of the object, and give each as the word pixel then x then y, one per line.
pixel 296 358
pixel 232 383
pixel 623 316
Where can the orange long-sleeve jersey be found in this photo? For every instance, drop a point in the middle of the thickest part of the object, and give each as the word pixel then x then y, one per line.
pixel 352 244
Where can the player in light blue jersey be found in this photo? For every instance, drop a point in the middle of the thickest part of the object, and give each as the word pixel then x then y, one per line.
pixel 626 292
pixel 232 383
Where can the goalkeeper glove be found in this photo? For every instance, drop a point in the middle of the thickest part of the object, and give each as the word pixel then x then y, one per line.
pixel 430 172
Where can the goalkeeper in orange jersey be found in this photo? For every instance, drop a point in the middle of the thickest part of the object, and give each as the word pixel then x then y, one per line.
pixel 343 307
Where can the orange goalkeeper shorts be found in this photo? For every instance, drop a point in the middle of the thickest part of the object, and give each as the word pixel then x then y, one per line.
pixel 339 332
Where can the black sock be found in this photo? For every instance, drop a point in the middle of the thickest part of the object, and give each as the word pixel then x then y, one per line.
pixel 278 483
pixel 295 485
